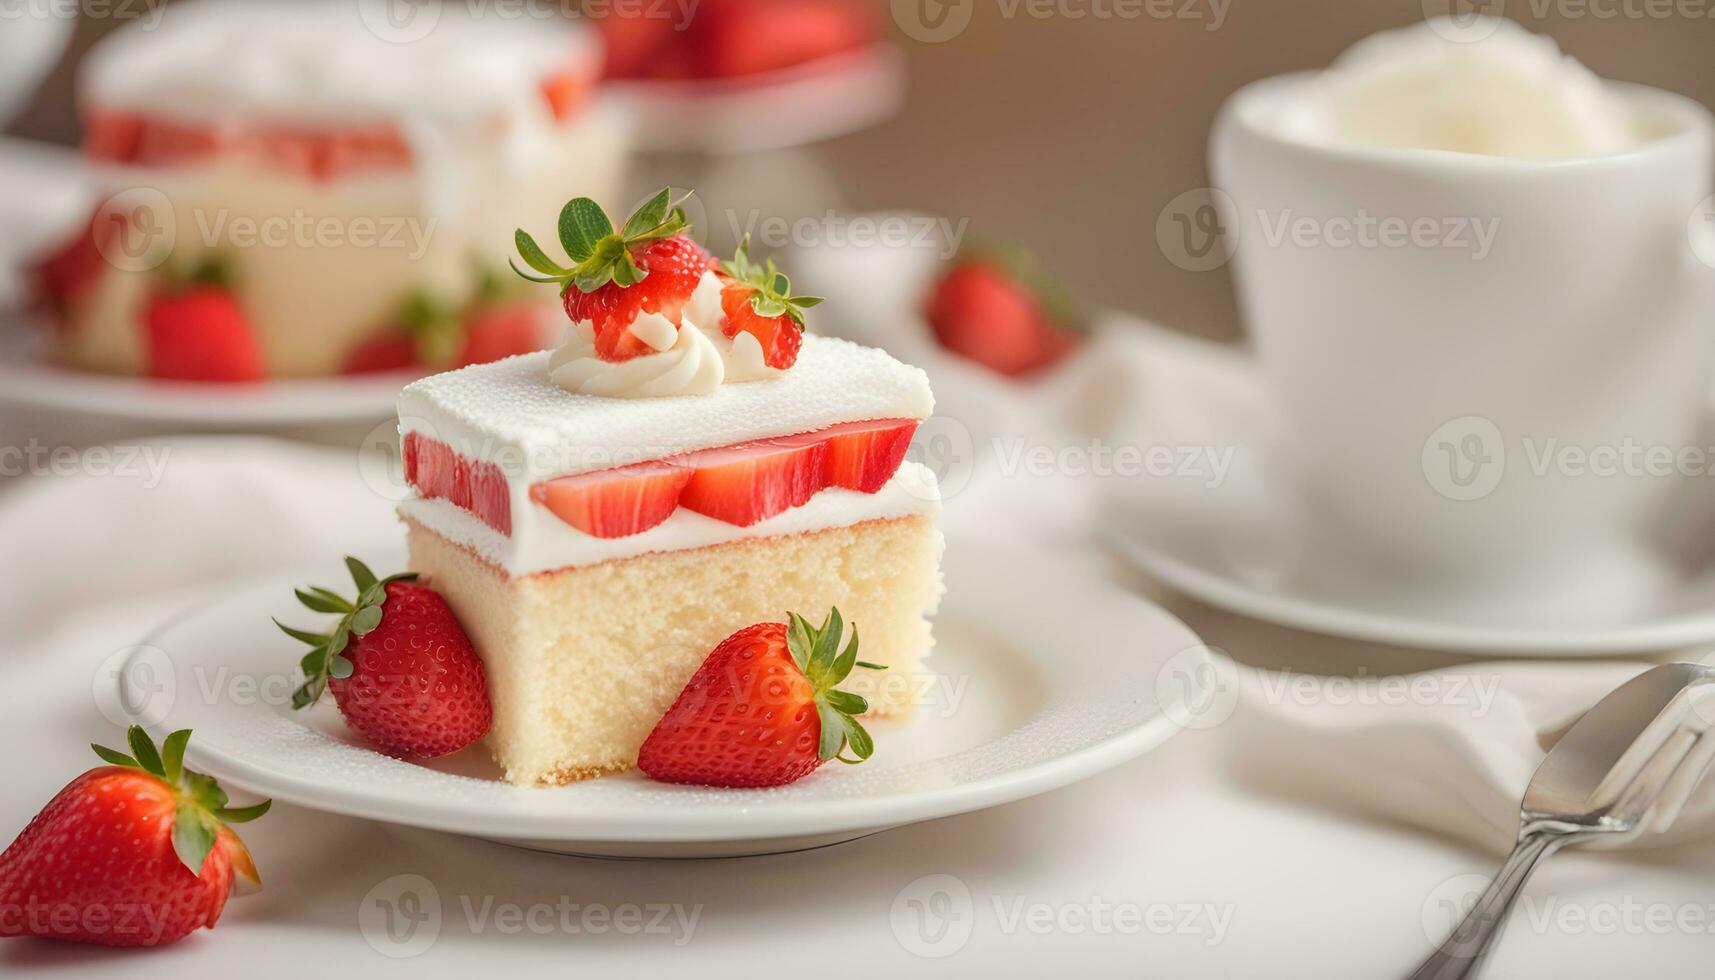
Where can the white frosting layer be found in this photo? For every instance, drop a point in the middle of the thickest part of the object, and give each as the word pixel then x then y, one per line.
pixel 695 357
pixel 1487 87
pixel 512 414
pixel 552 544
pixel 332 62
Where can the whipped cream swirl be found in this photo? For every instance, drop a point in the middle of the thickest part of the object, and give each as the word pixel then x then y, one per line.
pixel 693 358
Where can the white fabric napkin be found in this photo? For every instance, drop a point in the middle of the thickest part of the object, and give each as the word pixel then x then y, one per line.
pixel 1362 730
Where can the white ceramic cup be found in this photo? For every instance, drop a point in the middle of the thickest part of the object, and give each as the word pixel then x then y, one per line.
pixel 1439 374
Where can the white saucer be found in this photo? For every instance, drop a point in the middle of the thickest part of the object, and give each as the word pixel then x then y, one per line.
pixel 826 98
pixel 28 378
pixel 1063 676
pixel 1242 545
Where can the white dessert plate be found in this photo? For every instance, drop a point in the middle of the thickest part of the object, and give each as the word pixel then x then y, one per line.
pixel 1240 543
pixel 1046 675
pixel 30 379
pixel 826 98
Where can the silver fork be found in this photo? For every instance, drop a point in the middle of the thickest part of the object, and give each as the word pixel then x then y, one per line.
pixel 1626 768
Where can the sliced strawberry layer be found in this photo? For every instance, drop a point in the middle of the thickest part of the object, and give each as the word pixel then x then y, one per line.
pixel 615 503
pixel 741 485
pixel 748 484
pixel 438 473
pixel 863 456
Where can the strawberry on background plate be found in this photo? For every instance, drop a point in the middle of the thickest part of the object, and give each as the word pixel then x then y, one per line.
pixel 196 331
pixel 757 299
pixel 135 853
pixel 651 265
pixel 763 709
pixel 433 334
pixel 739 38
pixel 999 310
pixel 400 667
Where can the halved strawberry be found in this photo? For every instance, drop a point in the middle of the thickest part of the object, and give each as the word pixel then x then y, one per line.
pixel 863 456
pixel 758 300
pixel 649 266
pixel 745 485
pixel 615 503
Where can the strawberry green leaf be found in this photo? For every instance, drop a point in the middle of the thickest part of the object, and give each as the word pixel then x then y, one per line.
pixel 332 596
pixel 650 215
pixel 360 573
pixel 833 737
pixel 537 259
pixel 843 664
pixel 583 225
pixel 863 746
pixel 204 791
pixel 539 280
pixel 243 814
pixel 869 666
pixel 321 604
pixel 315 661
pixel 826 650
pixel 340 668
pixel 143 749
pixel 193 836
pixel 364 621
pixel 113 758
pixel 800 640
pixel 847 702
pixel 313 639
pixel 306 694
pixel 173 755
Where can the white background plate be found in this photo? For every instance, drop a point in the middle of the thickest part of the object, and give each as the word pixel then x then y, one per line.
pixel 1050 676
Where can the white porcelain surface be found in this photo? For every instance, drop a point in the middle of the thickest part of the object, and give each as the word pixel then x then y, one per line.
pixel 1027 703
pixel 1244 543
pixel 1403 371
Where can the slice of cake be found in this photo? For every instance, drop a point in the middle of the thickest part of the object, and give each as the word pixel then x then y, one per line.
pixel 301 188
pixel 688 464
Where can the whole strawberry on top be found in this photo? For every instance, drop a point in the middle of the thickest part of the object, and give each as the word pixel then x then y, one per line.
pixel 134 853
pixel 999 309
pixel 651 265
pixel 763 709
pixel 401 669
pixel 757 299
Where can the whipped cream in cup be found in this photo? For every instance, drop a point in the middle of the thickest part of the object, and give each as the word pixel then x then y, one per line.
pixel 1456 260
pixel 1511 94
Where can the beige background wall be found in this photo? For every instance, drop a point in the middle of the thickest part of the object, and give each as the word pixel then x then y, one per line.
pixel 1070 134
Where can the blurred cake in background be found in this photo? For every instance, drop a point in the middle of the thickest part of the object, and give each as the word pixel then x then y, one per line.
pixel 732 39
pixel 291 190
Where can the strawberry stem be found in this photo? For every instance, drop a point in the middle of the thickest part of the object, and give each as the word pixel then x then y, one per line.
pixel 816 651
pixel 599 254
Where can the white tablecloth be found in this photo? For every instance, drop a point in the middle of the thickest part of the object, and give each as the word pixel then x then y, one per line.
pixel 1176 865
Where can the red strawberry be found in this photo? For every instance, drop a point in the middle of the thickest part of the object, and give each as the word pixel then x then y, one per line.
pixel 745 485
pixel 401 669
pixel 758 300
pixel 763 710
pixel 635 41
pixel 391 351
pixel 751 37
pixel 135 853
pixel 73 270
pixel 863 456
pixel 649 266
pixel 201 334
pixel 498 332
pixel 615 503
pixel 1003 315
